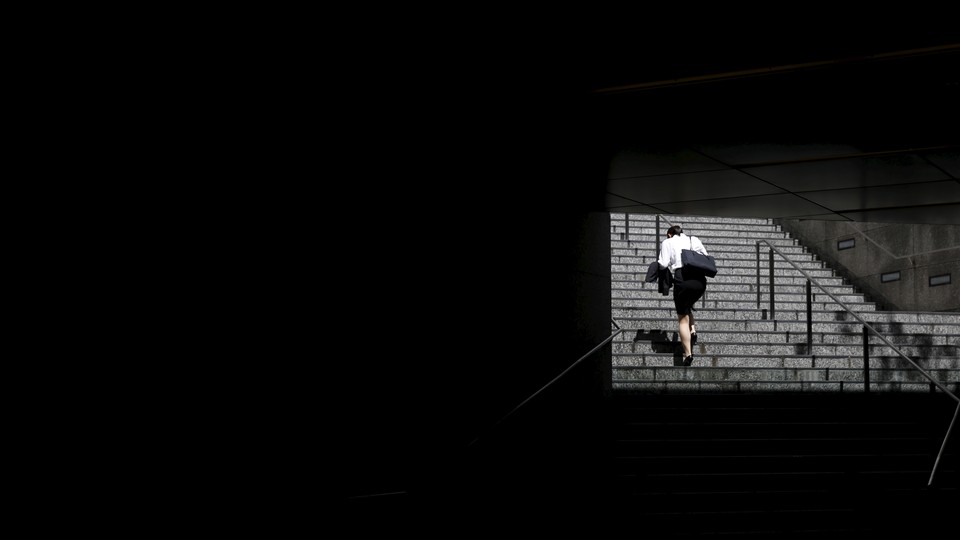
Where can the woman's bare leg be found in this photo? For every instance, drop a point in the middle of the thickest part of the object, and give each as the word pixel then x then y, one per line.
pixel 685 334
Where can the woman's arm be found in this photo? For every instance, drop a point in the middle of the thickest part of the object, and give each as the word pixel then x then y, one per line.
pixel 664 258
pixel 698 246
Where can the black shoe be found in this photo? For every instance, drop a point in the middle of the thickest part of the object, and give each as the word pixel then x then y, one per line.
pixel 693 338
pixel 688 361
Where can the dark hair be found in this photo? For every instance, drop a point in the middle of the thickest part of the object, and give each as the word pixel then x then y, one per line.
pixel 675 230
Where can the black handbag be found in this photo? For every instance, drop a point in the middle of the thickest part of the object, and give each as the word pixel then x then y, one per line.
pixel 703 263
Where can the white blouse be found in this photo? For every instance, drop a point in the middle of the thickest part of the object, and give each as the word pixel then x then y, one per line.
pixel 670 250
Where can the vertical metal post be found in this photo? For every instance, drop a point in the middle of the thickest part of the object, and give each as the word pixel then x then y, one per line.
pixel 866 360
pixel 626 228
pixel 758 275
pixel 809 319
pixel 656 239
pixel 772 309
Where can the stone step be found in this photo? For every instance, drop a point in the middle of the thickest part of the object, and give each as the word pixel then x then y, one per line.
pixel 748 257
pixel 646 322
pixel 637 264
pixel 707 347
pixel 720 244
pixel 797 288
pixel 755 387
pixel 703 314
pixel 731 250
pixel 782 337
pixel 669 354
pixel 735 287
pixel 651 224
pixel 719 296
pixel 790 303
pixel 751 271
pixel 821 276
pixel 782 314
pixel 741 277
pixel 728 229
pixel 734 276
pixel 707 236
pixel 803 260
pixel 717 244
pixel 709 370
pixel 909 316
pixel 743 292
pixel 741 296
pixel 683 219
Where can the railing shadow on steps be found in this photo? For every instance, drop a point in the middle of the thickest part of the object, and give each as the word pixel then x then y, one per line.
pixel 867 328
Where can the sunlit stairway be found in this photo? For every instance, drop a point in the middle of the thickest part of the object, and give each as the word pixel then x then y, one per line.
pixel 743 343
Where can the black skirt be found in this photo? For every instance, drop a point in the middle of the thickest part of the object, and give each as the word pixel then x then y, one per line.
pixel 688 287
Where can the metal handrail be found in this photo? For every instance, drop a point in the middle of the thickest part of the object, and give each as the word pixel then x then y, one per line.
pixel 879 335
pixel 555 379
pixel 656 241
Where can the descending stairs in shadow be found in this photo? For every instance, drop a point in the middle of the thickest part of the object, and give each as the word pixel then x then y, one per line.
pixel 777 465
pixel 782 463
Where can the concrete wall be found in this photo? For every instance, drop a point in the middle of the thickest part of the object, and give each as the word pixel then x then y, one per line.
pixel 916 251
pixel 459 305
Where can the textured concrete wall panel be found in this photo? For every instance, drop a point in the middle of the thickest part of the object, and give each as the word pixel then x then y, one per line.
pixel 916 251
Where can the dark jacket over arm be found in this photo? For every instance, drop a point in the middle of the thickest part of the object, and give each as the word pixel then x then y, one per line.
pixel 661 276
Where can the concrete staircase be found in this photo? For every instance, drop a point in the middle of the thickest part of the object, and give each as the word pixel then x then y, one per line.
pixel 769 433
pixel 742 345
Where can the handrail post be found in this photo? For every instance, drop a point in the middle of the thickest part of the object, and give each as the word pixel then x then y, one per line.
pixel 626 227
pixel 656 239
pixel 758 275
pixel 809 319
pixel 772 312
pixel 866 360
